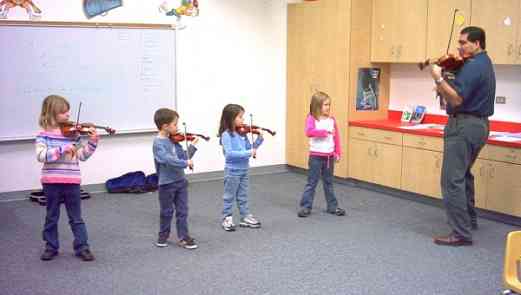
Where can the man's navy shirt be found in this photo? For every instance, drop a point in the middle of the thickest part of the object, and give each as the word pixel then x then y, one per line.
pixel 476 84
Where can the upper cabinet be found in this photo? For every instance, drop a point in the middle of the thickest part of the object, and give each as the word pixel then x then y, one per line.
pixel 439 25
pixel 399 30
pixel 500 20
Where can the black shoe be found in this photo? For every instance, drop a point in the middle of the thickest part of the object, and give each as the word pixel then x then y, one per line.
pixel 162 242
pixel 338 212
pixel 48 255
pixel 304 212
pixel 85 255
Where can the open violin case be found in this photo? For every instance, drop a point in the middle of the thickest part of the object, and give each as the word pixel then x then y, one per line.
pixel 39 197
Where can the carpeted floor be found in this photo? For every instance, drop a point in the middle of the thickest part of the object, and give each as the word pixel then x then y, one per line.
pixel 383 246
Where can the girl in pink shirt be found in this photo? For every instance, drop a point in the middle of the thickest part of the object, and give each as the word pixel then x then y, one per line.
pixel 324 151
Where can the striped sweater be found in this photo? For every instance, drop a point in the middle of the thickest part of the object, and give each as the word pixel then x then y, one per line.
pixel 60 155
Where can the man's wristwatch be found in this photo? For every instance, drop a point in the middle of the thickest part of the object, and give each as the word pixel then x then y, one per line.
pixel 438 81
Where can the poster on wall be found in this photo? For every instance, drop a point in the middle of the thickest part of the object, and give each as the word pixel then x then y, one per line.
pixel 94 8
pixel 367 89
pixel 33 11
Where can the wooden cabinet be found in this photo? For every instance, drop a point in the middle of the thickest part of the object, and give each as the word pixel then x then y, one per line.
pixel 398 30
pixel 373 157
pixel 504 188
pixel 322 36
pixel 387 165
pixel 421 171
pixel 500 21
pixel 440 16
pixel 518 49
pixel 480 172
pixel 300 23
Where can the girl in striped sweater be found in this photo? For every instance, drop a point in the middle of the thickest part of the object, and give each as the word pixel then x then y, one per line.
pixel 61 177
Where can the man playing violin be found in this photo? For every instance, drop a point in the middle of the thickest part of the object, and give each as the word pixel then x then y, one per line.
pixel 470 101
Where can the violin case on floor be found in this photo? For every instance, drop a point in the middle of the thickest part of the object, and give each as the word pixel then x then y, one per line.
pixel 39 197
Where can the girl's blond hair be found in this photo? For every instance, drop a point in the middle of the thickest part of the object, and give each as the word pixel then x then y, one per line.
pixel 52 105
pixel 317 100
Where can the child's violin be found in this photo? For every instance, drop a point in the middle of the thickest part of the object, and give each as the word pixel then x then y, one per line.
pixel 70 129
pixel 179 137
pixel 245 129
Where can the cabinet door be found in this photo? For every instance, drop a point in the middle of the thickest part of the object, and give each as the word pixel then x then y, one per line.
pixel 410 38
pixel 385 16
pixel 480 172
pixel 440 16
pixel 388 165
pixel 301 21
pixel 504 190
pixel 518 49
pixel 421 171
pixel 498 19
pixel 361 159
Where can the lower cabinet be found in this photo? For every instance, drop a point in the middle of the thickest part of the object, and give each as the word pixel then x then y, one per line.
pixel 375 162
pixel 415 163
pixel 421 171
pixel 504 188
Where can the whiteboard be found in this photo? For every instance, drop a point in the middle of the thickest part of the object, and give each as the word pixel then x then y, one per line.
pixel 121 75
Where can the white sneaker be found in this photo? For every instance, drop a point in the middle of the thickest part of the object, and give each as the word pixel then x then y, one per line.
pixel 250 221
pixel 228 223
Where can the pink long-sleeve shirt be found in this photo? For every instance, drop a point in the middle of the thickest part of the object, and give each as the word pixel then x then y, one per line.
pixel 324 139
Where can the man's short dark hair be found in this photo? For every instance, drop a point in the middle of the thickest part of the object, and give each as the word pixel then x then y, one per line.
pixel 164 116
pixel 475 34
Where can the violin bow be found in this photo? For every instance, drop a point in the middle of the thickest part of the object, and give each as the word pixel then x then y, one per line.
pixel 78 117
pixel 452 29
pixel 186 145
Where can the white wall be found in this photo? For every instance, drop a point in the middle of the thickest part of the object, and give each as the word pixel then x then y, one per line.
pixel 234 52
pixel 410 86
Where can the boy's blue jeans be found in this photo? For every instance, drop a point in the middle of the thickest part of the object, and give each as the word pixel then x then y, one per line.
pixel 173 195
pixel 71 196
pixel 320 167
pixel 235 188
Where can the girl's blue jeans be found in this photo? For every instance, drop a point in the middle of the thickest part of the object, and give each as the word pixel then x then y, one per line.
pixel 320 167
pixel 235 189
pixel 71 195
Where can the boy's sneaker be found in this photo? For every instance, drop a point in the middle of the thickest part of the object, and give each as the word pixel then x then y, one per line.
pixel 161 242
pixel 187 243
pixel 48 254
pixel 85 255
pixel 338 212
pixel 304 212
pixel 250 221
pixel 228 223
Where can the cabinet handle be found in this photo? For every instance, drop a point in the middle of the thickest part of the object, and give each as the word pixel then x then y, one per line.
pixel 519 51
pixel 392 50
pixel 437 162
pixel 491 172
pixel 481 169
pixel 360 134
pixel 399 51
pixel 388 138
pixel 510 49
pixel 422 143
pixel 376 152
pixel 369 152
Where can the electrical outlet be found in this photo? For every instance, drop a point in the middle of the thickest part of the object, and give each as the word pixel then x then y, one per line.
pixel 501 99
